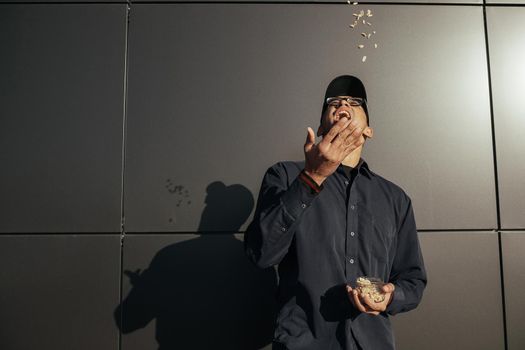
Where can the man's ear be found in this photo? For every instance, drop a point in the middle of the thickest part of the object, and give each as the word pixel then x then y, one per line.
pixel 368 132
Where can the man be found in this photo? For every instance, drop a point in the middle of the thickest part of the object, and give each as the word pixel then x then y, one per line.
pixel 329 220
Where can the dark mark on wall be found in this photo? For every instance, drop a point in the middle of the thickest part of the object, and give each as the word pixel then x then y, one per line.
pixel 181 193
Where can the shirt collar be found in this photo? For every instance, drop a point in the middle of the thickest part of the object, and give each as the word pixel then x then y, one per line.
pixel 362 167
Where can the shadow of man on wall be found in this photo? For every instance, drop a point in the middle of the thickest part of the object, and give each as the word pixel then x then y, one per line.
pixel 204 293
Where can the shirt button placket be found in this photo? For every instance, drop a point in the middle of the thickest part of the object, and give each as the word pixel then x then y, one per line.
pixel 352 251
pixel 351 244
pixel 351 261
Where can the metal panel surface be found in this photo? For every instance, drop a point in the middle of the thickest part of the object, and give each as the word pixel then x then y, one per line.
pixel 513 248
pixel 496 2
pixel 329 1
pixel 58 291
pixel 61 107
pixel 506 30
pixel 190 291
pixel 430 110
pixel 461 307
pixel 59 1
pixel 214 102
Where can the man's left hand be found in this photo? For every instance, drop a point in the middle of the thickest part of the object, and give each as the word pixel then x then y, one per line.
pixel 365 304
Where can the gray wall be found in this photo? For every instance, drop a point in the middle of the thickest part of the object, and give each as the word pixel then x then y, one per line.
pixel 134 138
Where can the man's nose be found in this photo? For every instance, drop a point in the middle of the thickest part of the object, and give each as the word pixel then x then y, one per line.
pixel 345 103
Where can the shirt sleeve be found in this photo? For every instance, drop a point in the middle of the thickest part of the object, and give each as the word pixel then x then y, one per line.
pixel 279 209
pixel 408 270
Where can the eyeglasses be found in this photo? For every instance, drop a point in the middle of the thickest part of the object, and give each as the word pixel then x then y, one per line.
pixel 337 101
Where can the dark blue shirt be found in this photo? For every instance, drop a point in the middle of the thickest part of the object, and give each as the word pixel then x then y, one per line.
pixel 324 240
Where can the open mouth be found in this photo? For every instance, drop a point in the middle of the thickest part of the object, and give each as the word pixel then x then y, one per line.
pixel 343 112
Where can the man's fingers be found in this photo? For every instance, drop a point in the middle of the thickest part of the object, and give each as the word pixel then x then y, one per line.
pixel 342 138
pixel 351 146
pixel 364 306
pixel 389 288
pixel 357 302
pixel 310 140
pixel 334 131
pixel 344 144
pixel 371 305
pixel 354 135
pixel 347 137
pixel 350 294
pixel 353 295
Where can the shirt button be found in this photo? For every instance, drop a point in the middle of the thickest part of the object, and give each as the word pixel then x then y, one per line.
pixel 303 205
pixel 283 228
pixel 352 207
pixel 351 261
pixel 352 233
pixel 346 182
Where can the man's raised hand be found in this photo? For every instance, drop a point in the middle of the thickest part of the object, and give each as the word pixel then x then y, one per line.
pixel 322 160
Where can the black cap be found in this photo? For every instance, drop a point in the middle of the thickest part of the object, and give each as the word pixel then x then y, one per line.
pixel 346 85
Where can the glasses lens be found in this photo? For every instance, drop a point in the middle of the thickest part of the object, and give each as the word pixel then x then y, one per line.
pixel 336 101
pixel 333 101
pixel 355 101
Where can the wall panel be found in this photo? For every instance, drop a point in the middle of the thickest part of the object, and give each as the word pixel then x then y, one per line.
pixel 506 30
pixel 513 247
pixel 58 291
pixel 61 102
pixel 330 1
pixel 516 2
pixel 189 291
pixel 461 307
pixel 60 1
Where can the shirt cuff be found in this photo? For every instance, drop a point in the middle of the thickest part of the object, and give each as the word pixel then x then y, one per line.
pixel 296 200
pixel 397 301
pixel 308 181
